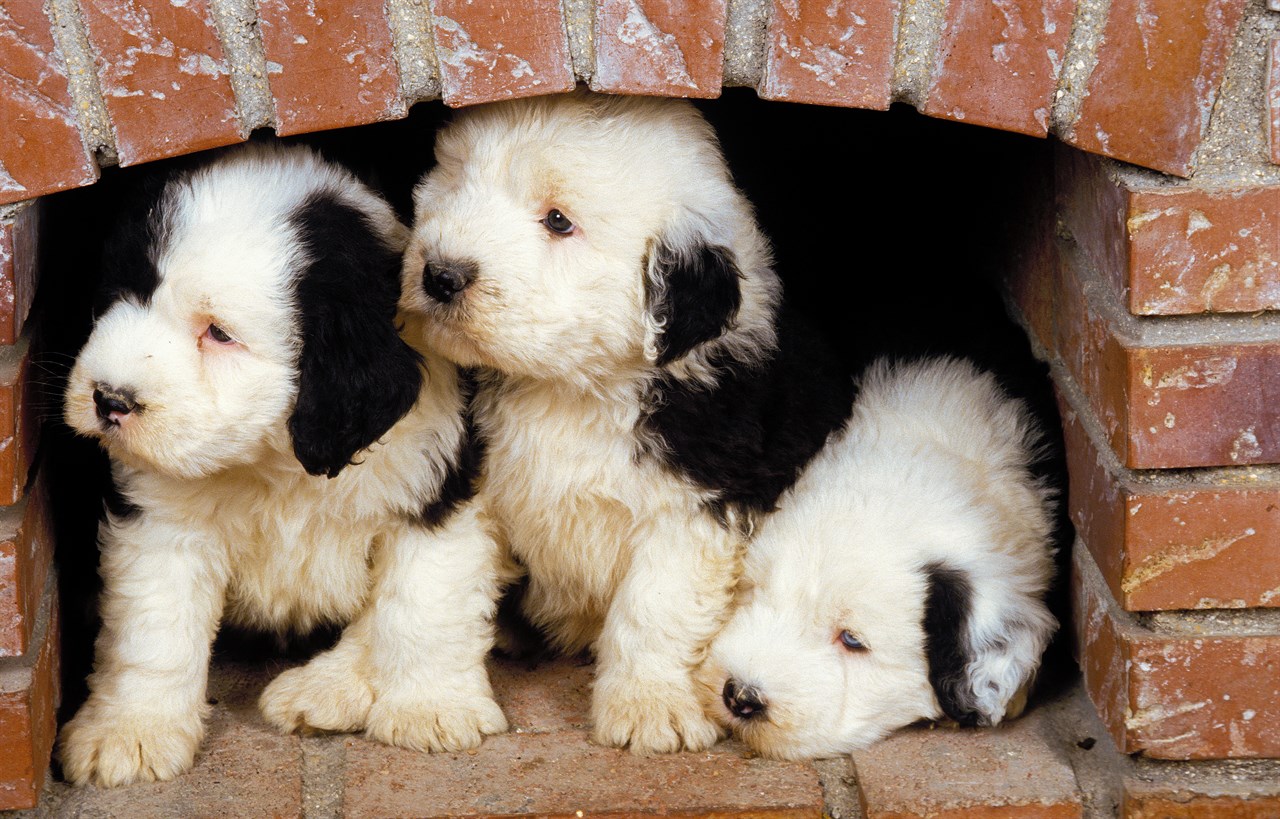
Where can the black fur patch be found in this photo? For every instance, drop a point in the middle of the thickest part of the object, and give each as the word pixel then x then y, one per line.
pixel 748 437
pixel 459 485
pixel 948 603
pixel 696 299
pixel 117 503
pixel 128 256
pixel 356 377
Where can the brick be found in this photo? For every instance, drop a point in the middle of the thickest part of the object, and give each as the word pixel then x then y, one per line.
pixel 1149 98
pixel 164 78
pixel 1178 686
pixel 26 553
pixel 552 696
pixel 1179 803
pixel 667 48
pixel 488 51
pixel 329 64
pixel 29 695
pixel 1013 770
pixel 19 238
pixel 19 421
pixel 42 150
pixel 1273 93
pixel 830 53
pixel 997 64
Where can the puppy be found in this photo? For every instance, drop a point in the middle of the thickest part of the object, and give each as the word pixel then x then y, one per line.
pixel 282 460
pixel 642 395
pixel 902 578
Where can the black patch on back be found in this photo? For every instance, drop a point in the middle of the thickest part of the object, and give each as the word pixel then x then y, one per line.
pixel 749 436
pixel 356 376
pixel 699 296
pixel 948 603
pixel 459 485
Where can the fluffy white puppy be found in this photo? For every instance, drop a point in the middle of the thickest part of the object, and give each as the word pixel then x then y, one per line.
pixel 641 394
pixel 281 459
pixel 903 576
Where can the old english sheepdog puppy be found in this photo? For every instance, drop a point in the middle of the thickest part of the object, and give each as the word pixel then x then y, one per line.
pixel 902 577
pixel 281 459
pixel 641 394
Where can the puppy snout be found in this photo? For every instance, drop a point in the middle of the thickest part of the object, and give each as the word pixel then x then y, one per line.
pixel 743 701
pixel 444 280
pixel 114 404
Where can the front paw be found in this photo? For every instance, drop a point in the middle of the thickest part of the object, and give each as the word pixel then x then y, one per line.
pixel 326 694
pixel 117 746
pixel 650 718
pixel 458 723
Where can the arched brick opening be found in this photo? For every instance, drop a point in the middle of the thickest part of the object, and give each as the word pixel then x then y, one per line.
pixel 1147 290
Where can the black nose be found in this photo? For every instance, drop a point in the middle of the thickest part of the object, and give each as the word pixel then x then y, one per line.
pixel 444 280
pixel 113 403
pixel 744 702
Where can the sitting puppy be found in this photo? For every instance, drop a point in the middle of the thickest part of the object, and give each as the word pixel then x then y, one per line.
pixel 641 394
pixel 902 577
pixel 281 459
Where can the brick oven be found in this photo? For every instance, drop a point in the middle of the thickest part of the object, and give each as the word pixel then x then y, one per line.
pixel 1137 233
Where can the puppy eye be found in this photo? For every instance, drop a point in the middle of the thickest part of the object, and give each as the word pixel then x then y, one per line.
pixel 557 222
pixel 850 642
pixel 218 334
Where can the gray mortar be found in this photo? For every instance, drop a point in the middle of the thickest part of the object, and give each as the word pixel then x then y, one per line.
pixel 237 24
pixel 324 760
pixel 745 29
pixel 580 25
pixel 839 788
pixel 82 80
pixel 11 211
pixel 1078 62
pixel 1211 623
pixel 918 32
pixel 415 52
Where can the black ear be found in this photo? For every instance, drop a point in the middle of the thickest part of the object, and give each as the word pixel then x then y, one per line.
pixel 948 601
pixel 693 295
pixel 356 376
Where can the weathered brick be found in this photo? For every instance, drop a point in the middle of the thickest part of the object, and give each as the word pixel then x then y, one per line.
pixel 552 696
pixel 1013 770
pixel 41 150
pixel 490 51
pixel 29 694
pixel 1273 92
pixel 1178 686
pixel 1174 802
pixel 997 64
pixel 1159 65
pixel 330 64
pixel 830 53
pixel 19 237
pixel 667 48
pixel 164 78
pixel 19 421
pixel 26 553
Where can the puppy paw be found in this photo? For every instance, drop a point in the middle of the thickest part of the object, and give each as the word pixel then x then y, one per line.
pixel 441 725
pixel 323 695
pixel 653 723
pixel 112 747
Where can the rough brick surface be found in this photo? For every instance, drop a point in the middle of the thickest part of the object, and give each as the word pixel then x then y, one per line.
pixel 26 553
pixel 830 53
pixel 1179 687
pixel 19 237
pixel 997 64
pixel 19 421
pixel 489 51
pixel 1159 66
pixel 164 78
pixel 330 64
pixel 28 701
pixel 1176 803
pixel 551 696
pixel 670 48
pixel 1273 96
pixel 41 150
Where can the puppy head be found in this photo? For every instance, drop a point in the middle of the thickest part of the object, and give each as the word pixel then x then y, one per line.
pixel 248 309
pixel 583 234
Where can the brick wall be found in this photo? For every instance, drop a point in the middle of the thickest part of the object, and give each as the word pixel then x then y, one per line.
pixel 1150 289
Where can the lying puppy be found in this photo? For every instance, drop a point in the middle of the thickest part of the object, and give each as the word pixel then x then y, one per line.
pixel 641 394
pixel 903 577
pixel 282 459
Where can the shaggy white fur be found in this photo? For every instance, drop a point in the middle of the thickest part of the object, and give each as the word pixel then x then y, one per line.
pixel 220 519
pixel 843 607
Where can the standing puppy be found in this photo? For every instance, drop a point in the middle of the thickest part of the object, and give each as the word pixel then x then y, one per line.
pixel 282 459
pixel 641 395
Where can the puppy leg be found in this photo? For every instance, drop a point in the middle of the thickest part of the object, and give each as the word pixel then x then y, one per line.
pixel 674 599
pixel 144 718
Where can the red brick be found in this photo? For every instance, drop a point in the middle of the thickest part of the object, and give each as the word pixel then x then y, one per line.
pixel 18 275
pixel 1273 93
pixel 19 421
pixel 41 151
pixel 329 63
pixel 1159 65
pixel 997 64
pixel 1180 804
pixel 29 694
pixel 1178 686
pixel 669 48
pixel 1013 770
pixel 490 51
pixel 830 53
pixel 26 553
pixel 552 696
pixel 164 78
